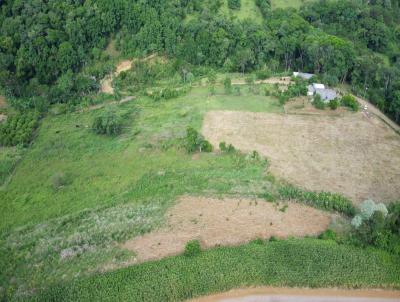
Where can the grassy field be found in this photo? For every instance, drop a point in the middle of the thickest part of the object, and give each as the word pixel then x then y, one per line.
pixel 301 263
pixel 75 194
pixel 248 10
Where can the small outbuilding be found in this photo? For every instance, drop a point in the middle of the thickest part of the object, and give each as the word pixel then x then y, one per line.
pixel 326 94
pixel 303 75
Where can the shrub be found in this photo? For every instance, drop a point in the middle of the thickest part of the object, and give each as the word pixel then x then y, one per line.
pixel 192 248
pixel 318 102
pixel 195 142
pixel 237 91
pixel 226 148
pixel 328 235
pixel 108 123
pixel 350 102
pixel 334 104
pixel 263 74
pixel 228 85
pixel 18 129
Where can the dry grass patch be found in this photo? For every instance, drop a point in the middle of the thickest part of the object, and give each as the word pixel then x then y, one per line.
pixel 353 155
pixel 226 222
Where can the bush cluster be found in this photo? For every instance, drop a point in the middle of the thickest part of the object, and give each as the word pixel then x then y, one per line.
pixel 18 129
pixel 318 102
pixel 194 141
pixel 192 248
pixel 167 93
pixel 350 102
pixel 107 123
pixel 334 104
pixel 322 200
pixel 226 148
pixel 297 89
pixel 378 226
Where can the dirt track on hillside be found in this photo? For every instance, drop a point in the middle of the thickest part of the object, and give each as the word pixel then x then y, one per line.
pixel 353 154
pixel 226 222
pixel 106 83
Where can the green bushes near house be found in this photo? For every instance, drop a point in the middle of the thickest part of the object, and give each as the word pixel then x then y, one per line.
pixel 318 102
pixel 350 101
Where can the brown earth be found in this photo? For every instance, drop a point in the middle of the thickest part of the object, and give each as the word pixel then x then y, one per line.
pixel 302 294
pixel 226 222
pixel 355 155
pixel 106 83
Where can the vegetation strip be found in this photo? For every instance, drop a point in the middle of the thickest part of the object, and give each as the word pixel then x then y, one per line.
pixel 308 262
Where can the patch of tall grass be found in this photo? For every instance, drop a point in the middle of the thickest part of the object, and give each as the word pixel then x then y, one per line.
pixel 322 200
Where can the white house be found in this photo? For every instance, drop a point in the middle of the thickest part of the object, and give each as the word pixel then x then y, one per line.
pixel 303 75
pixel 326 94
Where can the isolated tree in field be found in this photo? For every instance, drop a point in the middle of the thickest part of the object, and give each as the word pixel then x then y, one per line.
pixel 228 85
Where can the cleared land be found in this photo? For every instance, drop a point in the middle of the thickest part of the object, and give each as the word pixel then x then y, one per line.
pixel 226 222
pixel 353 155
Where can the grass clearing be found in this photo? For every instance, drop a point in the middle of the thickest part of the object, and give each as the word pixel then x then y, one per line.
pixel 110 189
pixel 308 263
pixel 248 10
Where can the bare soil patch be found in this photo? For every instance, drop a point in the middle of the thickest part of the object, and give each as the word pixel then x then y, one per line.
pixel 303 294
pixel 106 83
pixel 226 222
pixel 353 155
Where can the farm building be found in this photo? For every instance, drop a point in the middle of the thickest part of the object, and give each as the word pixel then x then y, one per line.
pixel 303 75
pixel 326 94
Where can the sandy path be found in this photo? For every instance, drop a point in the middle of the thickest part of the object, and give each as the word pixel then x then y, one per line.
pixel 106 83
pixel 226 222
pixel 372 109
pixel 268 294
pixel 353 155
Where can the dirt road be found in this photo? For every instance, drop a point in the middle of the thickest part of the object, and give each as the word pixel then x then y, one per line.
pixel 268 294
pixel 372 109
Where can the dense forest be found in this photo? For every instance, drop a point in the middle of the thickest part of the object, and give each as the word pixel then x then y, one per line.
pixel 48 48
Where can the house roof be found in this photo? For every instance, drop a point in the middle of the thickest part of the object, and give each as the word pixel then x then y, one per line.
pixel 318 86
pixel 327 94
pixel 303 75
